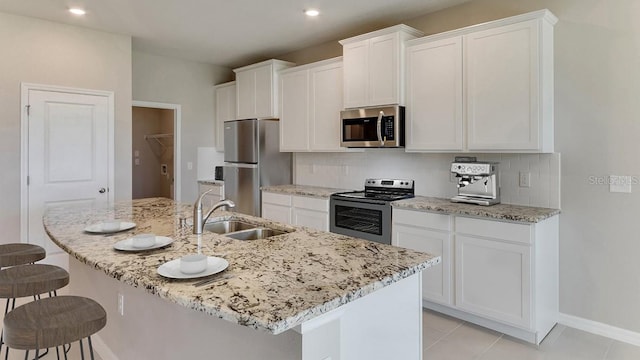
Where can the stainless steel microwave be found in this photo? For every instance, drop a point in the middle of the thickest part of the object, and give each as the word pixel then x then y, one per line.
pixel 372 127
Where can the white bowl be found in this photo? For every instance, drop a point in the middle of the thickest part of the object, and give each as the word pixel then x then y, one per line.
pixel 143 240
pixel 192 264
pixel 111 225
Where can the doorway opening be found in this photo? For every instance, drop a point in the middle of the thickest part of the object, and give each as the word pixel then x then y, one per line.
pixel 155 150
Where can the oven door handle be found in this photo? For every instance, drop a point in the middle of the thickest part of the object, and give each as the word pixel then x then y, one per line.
pixel 380 127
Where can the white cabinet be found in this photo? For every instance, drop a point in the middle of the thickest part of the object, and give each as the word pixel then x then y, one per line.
pixel 374 67
pixel 487 87
pixel 225 96
pixel 296 210
pixel 213 197
pixel 310 104
pixel 500 275
pixel 276 207
pixel 430 233
pixel 257 89
pixel 434 118
pixel 311 212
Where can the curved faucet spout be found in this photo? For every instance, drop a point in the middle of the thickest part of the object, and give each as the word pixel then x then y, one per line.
pixel 198 219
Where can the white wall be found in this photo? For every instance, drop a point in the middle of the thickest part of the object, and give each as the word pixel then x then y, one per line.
pixel 597 85
pixel 38 51
pixel 189 84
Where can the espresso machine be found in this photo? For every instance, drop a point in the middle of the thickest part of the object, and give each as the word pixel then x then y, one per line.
pixel 477 182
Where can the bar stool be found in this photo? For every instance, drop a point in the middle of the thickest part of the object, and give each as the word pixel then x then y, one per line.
pixel 20 254
pixel 30 280
pixel 53 322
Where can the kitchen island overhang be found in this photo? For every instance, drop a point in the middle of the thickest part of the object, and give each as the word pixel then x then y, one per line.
pixel 286 282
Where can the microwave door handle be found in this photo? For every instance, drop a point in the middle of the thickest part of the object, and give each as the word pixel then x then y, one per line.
pixel 380 128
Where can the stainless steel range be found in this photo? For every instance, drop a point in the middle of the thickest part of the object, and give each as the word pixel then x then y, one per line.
pixel 367 214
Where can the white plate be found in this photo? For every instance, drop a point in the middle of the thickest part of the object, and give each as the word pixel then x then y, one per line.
pixel 98 228
pixel 127 244
pixel 171 269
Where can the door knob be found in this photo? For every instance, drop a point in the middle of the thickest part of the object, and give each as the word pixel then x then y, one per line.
pixel 102 190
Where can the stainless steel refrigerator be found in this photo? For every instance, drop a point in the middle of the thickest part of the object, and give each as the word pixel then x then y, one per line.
pixel 252 159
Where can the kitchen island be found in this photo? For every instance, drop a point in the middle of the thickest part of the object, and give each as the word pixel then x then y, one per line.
pixel 302 295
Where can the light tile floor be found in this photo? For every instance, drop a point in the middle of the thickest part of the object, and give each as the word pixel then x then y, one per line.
pixel 447 338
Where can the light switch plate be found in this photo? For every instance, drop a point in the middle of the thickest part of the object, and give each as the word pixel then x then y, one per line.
pixel 620 184
pixel 525 179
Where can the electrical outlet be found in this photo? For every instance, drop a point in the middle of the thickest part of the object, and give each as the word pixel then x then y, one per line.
pixel 525 179
pixel 189 165
pixel 120 304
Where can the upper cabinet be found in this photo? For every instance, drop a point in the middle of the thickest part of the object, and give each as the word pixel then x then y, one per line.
pixel 487 87
pixel 225 96
pixel 257 89
pixel 310 105
pixel 374 67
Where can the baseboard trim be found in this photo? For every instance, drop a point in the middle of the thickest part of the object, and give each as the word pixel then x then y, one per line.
pixel 599 328
pixel 102 349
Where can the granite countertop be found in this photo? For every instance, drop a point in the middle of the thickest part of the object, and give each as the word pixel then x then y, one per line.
pixel 503 212
pixel 277 284
pixel 304 190
pixel 211 182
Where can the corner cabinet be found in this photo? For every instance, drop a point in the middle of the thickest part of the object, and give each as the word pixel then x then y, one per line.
pixel 500 275
pixel 487 87
pixel 310 105
pixel 225 102
pixel 257 89
pixel 300 210
pixel 374 67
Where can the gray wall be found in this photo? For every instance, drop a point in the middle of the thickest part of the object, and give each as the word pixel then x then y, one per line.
pixel 189 84
pixel 597 126
pixel 44 52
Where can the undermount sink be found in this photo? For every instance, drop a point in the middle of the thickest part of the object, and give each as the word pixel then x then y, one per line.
pixel 255 234
pixel 227 226
pixel 240 230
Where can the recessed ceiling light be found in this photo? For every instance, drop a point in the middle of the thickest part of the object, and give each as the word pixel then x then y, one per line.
pixel 77 11
pixel 312 12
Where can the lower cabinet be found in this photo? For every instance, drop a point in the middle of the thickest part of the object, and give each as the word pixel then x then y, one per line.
pixel 296 210
pixel 430 233
pixel 500 275
pixel 213 197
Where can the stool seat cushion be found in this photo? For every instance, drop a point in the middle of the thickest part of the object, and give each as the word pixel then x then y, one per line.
pixel 52 322
pixel 19 254
pixel 32 279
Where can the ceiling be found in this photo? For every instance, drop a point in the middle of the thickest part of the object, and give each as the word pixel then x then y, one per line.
pixel 228 32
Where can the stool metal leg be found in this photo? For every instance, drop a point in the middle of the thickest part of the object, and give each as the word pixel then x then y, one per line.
pixel 90 347
pixel 81 350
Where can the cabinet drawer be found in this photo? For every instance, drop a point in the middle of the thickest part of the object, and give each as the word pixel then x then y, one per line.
pixel 494 229
pixel 310 203
pixel 422 219
pixel 278 199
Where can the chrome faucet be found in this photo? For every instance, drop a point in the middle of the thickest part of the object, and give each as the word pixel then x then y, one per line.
pixel 198 219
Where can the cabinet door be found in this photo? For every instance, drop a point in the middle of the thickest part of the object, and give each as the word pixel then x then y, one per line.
pixel 279 213
pixel 356 74
pixel 314 219
pixel 503 87
pixel 325 104
pixel 294 108
pixel 225 110
pixel 434 96
pixel 436 281
pixel 384 70
pixel 264 88
pixel 493 279
pixel 246 94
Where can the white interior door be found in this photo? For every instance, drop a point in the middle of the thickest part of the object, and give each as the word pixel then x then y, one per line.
pixel 68 155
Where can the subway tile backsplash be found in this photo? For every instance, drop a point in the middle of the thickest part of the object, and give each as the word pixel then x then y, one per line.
pixel 431 173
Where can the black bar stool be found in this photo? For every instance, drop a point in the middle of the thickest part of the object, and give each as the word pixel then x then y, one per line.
pixel 53 322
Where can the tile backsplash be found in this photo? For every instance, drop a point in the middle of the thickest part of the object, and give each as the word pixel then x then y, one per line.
pixel 431 173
